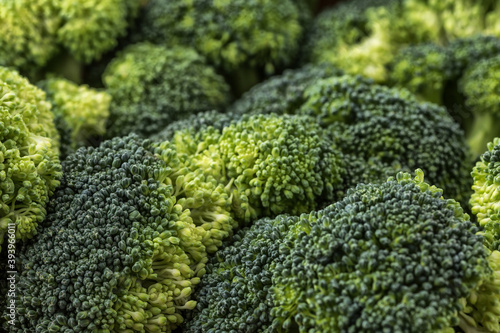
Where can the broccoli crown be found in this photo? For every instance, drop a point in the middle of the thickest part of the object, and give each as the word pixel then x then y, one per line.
pixel 261 34
pixel 234 295
pixel 27 33
pixel 391 257
pixel 148 92
pixel 355 36
pixel 118 251
pixel 88 29
pixel 423 69
pixel 29 155
pixel 469 50
pixel 80 112
pixel 388 126
pixel 480 86
pixel 283 93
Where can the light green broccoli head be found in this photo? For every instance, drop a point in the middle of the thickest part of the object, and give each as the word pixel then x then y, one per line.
pixel 90 28
pixel 480 86
pixel 262 34
pixel 152 86
pixel 29 155
pixel 27 33
pixel 423 69
pixel 387 257
pixel 81 109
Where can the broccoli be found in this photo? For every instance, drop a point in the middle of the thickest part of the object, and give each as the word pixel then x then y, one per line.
pixel 271 164
pixel 80 112
pixel 391 257
pixel 152 86
pixel 467 51
pixel 389 127
pixel 118 251
pixel 354 36
pixel 29 155
pixel 480 86
pixel 423 69
pixel 242 37
pixel 235 294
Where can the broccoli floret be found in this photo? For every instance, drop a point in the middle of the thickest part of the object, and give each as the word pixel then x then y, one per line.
pixel 374 122
pixel 118 251
pixel 249 37
pixel 480 86
pixel 423 69
pixel 80 113
pixel 234 295
pixel 27 33
pixel 152 86
pixel 355 36
pixel 392 257
pixel 467 51
pixel 29 155
pixel 283 93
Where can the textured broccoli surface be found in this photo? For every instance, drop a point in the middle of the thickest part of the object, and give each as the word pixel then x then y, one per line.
pixel 423 69
pixel 152 86
pixel 255 34
pixel 29 155
pixel 80 112
pixel 388 127
pixel 392 257
pixel 480 86
pixel 118 251
pixel 235 294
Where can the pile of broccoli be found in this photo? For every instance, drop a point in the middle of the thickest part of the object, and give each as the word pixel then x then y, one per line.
pixel 250 166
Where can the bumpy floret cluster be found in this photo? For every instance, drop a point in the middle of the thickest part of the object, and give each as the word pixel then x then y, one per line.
pixel 154 85
pixel 29 155
pixel 80 112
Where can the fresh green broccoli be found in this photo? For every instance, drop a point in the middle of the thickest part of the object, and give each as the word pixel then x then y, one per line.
pixel 467 51
pixel 391 257
pixel 29 155
pixel 27 33
pixel 119 251
pixel 388 126
pixel 423 69
pixel 80 112
pixel 480 86
pixel 355 36
pixel 152 86
pixel 235 294
pixel 271 164
pixel 247 37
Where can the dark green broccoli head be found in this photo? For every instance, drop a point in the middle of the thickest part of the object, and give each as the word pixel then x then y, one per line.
pixel 80 112
pixel 124 243
pixel 282 94
pixel 480 86
pixel 152 86
pixel 389 127
pixel 469 50
pixel 354 36
pixel 29 155
pixel 423 69
pixel 261 34
pixel 392 257
pixel 234 295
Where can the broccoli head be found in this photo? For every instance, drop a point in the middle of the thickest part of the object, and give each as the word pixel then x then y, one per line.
pixel 152 86
pixel 480 86
pixel 29 155
pixel 391 257
pixel 423 69
pixel 80 112
pixel 254 34
pixel 119 251
pixel 389 127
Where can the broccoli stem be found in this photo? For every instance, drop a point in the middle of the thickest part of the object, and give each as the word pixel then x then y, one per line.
pixel 483 130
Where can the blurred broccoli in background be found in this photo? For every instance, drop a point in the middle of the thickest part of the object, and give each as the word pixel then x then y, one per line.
pixel 153 85
pixel 80 112
pixel 29 155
